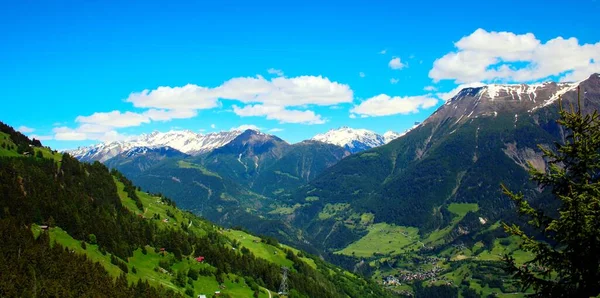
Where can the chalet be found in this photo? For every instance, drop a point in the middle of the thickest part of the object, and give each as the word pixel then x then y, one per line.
pixel 217 293
pixel 44 227
pixel 201 296
pixel 163 251
pixel 200 259
pixel 166 220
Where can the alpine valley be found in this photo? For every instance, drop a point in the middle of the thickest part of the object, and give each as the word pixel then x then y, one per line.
pixel 418 212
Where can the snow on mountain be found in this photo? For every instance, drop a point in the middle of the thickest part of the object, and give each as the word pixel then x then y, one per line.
pixel 355 140
pixel 135 151
pixel 389 136
pixel 494 99
pixel 185 141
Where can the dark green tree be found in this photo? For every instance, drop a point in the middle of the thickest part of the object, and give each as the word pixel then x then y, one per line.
pixel 566 262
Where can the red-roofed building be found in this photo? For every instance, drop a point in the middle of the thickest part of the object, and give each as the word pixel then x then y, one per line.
pixel 200 259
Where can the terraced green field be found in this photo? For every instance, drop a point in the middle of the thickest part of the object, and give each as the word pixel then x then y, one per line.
pixel 461 209
pixel 384 239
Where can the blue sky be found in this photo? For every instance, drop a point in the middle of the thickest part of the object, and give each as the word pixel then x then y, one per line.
pixel 75 73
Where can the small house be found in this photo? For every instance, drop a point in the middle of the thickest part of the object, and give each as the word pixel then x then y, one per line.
pixel 200 259
pixel 44 227
pixel 217 293
pixel 201 296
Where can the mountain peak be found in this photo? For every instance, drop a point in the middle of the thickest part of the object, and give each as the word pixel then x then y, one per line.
pixel 185 141
pixel 354 139
pixel 493 99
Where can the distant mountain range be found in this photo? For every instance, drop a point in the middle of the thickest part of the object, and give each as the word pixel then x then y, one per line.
pixel 191 143
pixel 185 141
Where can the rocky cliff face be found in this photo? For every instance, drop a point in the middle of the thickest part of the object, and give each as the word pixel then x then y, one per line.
pixel 491 100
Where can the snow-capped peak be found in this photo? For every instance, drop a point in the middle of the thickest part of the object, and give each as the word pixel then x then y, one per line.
pixel 388 136
pixel 185 141
pixel 354 140
pixel 536 94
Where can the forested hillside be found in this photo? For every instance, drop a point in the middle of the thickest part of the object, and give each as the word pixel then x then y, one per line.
pixel 125 242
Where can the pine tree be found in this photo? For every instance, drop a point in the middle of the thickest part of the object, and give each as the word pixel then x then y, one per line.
pixel 567 263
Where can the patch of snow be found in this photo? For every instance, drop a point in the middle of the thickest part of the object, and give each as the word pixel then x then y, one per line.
pixel 389 136
pixel 352 138
pixel 183 140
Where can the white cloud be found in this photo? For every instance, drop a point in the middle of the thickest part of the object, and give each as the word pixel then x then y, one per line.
pixel 86 132
pixel 114 119
pixel 42 137
pixel 25 129
pixel 276 130
pixel 297 91
pixel 396 63
pixel 245 127
pixel 362 74
pixel 385 105
pixel 279 113
pixel 94 128
pixel 430 88
pixel 447 95
pixel 213 126
pixel 67 134
pixel 269 98
pixel 187 97
pixel 352 116
pixel 394 81
pixel 101 125
pixel 274 71
pixel 383 52
pixel 506 56
pixel 166 115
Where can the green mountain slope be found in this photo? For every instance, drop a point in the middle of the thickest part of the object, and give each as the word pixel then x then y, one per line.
pixel 143 241
pixel 452 157
pixel 237 185
pixel 246 156
pixel 301 163
pixel 137 160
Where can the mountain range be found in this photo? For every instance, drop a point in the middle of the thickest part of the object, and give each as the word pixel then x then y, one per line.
pixel 185 141
pixel 475 140
pixel 191 143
